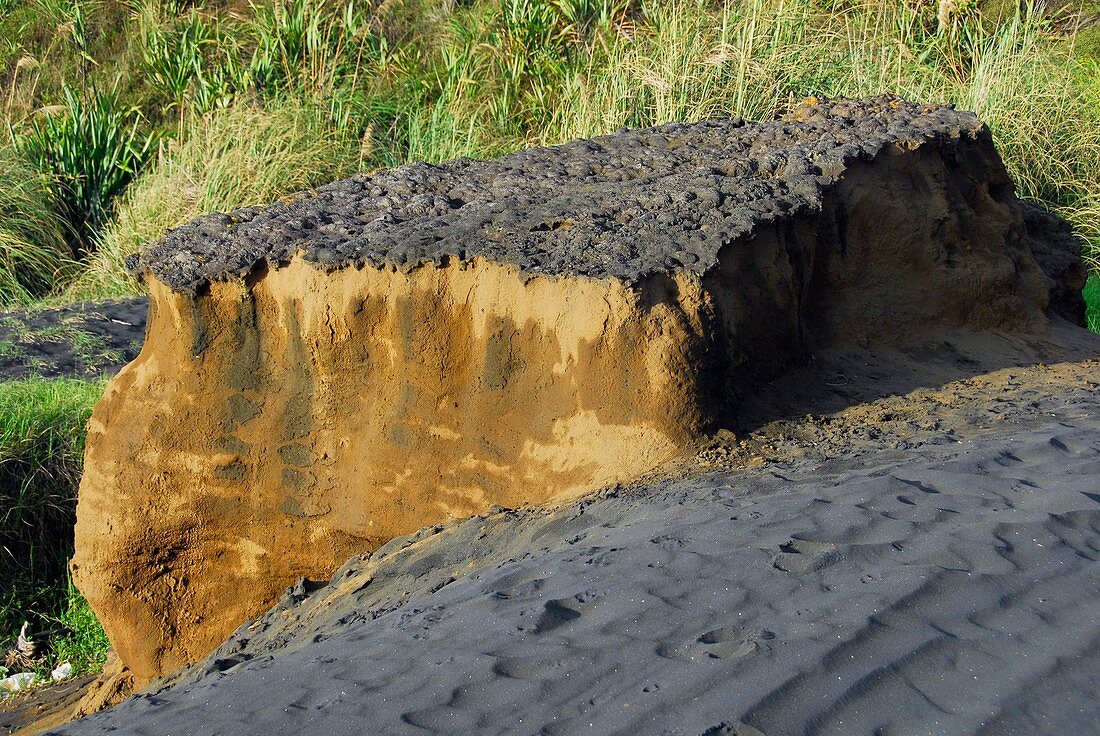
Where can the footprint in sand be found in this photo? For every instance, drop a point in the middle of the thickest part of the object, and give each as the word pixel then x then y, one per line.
pixel 733 729
pixel 555 614
pixel 734 641
pixel 803 555
pixel 559 612
pixel 724 642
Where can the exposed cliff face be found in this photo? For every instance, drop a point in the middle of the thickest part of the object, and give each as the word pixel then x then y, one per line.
pixel 271 429
pixel 394 350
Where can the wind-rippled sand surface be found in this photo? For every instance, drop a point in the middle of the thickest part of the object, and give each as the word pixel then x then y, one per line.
pixel 924 563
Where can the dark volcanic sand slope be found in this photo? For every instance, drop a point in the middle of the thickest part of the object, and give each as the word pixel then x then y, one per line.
pixel 80 341
pixel 921 564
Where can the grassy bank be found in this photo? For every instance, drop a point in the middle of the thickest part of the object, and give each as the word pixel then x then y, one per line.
pixel 42 426
pixel 226 104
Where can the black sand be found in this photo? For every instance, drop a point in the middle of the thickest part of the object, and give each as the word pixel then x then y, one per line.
pixel 920 563
pixel 77 341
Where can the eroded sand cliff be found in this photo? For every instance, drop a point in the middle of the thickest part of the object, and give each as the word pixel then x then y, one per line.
pixel 398 349
pixel 923 561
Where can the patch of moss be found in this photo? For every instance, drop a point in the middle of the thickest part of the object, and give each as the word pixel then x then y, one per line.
pixel 1087 43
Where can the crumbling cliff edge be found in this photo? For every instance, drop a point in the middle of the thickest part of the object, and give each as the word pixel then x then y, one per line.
pixel 388 351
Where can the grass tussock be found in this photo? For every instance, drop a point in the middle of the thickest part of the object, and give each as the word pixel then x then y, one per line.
pixel 34 255
pixel 81 640
pixel 244 155
pixel 1092 303
pixel 90 148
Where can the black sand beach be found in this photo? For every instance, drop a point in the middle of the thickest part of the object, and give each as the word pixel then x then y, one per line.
pixel 921 561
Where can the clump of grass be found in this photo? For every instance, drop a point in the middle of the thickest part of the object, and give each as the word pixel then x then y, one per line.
pixel 174 55
pixel 34 254
pixel 1087 43
pixel 11 351
pixel 1092 302
pixel 82 642
pixel 292 36
pixel 230 158
pixel 72 16
pixel 42 425
pixel 91 147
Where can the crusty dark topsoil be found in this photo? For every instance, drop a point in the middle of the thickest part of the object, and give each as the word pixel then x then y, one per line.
pixel 623 205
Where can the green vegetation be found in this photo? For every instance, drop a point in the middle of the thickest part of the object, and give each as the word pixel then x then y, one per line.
pixel 82 643
pixel 90 149
pixel 34 255
pixel 1092 303
pixel 41 455
pixel 245 154
pixel 215 106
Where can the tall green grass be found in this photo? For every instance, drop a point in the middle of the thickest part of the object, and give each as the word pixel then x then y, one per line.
pixel 91 147
pixel 174 56
pixel 1092 303
pixel 71 18
pixel 34 253
pixel 81 641
pixel 42 427
pixel 245 155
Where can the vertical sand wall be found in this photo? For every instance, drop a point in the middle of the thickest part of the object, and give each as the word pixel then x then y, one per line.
pixel 273 428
